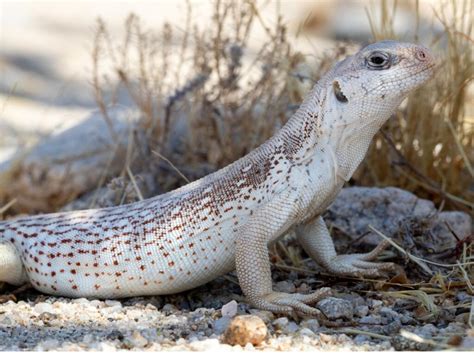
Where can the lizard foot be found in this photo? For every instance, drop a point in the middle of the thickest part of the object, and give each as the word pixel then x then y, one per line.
pixel 361 264
pixel 280 302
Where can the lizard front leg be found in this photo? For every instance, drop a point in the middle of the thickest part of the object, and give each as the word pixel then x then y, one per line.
pixel 315 239
pixel 253 264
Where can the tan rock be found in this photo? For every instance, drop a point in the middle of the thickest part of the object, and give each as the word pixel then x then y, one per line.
pixel 245 329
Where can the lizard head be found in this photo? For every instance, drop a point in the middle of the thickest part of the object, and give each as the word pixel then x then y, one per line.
pixel 372 83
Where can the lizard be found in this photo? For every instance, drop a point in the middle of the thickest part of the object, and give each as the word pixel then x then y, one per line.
pixel 225 221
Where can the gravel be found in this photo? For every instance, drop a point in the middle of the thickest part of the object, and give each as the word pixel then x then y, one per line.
pixel 43 323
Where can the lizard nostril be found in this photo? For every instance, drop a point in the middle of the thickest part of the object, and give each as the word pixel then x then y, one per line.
pixel 421 54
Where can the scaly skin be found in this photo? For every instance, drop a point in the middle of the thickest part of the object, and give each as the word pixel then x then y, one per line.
pixel 225 221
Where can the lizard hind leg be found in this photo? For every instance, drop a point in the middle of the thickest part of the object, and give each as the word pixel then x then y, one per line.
pixel 11 266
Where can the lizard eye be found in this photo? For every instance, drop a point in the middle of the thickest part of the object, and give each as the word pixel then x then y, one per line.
pixel 338 92
pixel 378 60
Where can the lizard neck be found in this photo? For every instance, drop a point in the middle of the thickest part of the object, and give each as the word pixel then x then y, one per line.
pixel 319 131
pixel 303 132
pixel 350 140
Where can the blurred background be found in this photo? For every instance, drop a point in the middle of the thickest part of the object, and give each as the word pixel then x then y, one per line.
pixel 211 80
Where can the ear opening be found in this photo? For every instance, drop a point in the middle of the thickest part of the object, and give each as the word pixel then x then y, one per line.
pixel 338 92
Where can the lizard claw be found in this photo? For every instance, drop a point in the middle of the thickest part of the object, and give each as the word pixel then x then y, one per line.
pixel 361 264
pixel 280 302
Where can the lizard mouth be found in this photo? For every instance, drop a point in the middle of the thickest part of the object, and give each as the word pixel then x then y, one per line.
pixel 338 92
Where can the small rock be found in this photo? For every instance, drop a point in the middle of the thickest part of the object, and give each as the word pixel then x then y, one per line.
pixel 112 303
pixel 468 342
pixel 205 345
pixel 285 286
pixel 462 318
pixel 229 309
pixel 355 299
pixel 389 313
pixel 463 297
pixel 375 304
pixel 46 317
pixel 280 323
pixel 221 324
pixel 249 347
pixel 361 339
pixel 136 340
pixel 81 301
pixel 361 311
pixel 406 319
pixel 284 325
pixel 47 345
pixel 292 327
pixel 311 324
pixel 44 307
pixel 245 329
pixel 169 309
pixel 105 347
pixel 306 332
pixel 427 331
pixel 96 303
pixel 393 327
pixel 335 308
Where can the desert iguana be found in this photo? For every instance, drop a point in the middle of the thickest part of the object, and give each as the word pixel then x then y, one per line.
pixel 225 221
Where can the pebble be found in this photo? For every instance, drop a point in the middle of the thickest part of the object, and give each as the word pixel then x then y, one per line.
pixel 44 307
pixel 311 324
pixel 47 345
pixel 335 308
pixel 306 332
pixel 280 323
pixel 136 340
pixel 407 320
pixel 427 331
pixel 361 311
pixel 389 313
pixel 361 339
pixel 285 286
pixel 112 303
pixel 205 345
pixel 229 309
pixel 221 324
pixel 354 299
pixel 245 329
pixel 463 297
pixel 375 304
pixel 169 309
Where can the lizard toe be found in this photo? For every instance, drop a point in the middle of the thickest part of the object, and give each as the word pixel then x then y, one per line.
pixel 313 297
pixel 376 251
pixel 287 303
pixel 300 307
